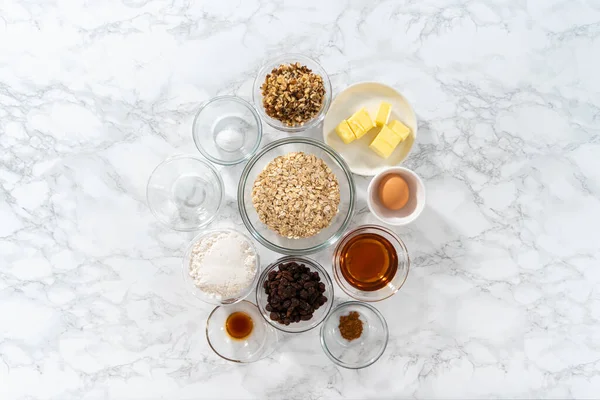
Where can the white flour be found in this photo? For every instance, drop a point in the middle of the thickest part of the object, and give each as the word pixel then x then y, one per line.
pixel 223 264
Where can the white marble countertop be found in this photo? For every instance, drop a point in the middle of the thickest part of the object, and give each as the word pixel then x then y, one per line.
pixel 503 298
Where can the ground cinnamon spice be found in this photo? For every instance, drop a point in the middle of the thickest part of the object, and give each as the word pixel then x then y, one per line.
pixel 350 326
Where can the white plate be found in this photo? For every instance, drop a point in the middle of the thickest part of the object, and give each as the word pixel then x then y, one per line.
pixel 361 159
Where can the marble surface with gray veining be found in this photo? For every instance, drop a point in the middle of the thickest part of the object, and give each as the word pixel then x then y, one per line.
pixel 503 295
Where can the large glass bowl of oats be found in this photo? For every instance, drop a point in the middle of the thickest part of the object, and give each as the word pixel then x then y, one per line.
pixel 296 196
pixel 292 93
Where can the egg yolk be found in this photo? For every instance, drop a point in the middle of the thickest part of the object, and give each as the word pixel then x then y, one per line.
pixel 393 192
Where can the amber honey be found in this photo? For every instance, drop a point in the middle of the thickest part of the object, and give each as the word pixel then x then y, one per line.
pixel 239 325
pixel 368 262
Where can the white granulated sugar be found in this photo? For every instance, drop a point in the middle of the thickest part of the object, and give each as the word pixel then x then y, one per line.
pixel 223 264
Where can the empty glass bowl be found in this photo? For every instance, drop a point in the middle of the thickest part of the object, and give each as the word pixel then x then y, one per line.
pixel 393 285
pixel 319 314
pixel 227 130
pixel 360 352
pixel 185 192
pixel 290 59
pixel 208 298
pixel 271 239
pixel 261 342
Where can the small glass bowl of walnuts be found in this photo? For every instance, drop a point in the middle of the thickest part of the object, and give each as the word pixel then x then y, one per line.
pixel 292 93
pixel 294 294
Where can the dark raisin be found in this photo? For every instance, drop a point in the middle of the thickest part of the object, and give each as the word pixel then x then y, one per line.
pixel 293 293
pixel 289 292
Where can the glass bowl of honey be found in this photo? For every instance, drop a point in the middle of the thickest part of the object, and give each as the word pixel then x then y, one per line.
pixel 370 263
pixel 239 333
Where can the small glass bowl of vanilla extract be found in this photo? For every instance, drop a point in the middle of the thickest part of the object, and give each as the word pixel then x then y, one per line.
pixel 238 333
pixel 370 263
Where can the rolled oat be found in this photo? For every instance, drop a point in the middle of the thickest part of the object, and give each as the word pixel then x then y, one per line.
pixel 296 195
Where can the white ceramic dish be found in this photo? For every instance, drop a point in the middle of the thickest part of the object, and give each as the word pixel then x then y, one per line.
pixel 412 209
pixel 361 159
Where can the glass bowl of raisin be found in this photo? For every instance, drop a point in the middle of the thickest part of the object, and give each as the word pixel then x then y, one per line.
pixel 294 294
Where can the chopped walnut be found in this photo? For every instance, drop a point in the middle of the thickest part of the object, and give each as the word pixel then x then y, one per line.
pixel 293 94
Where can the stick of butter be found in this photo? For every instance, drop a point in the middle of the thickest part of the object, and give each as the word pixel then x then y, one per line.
pixel 345 133
pixel 383 114
pixel 385 142
pixel 402 130
pixel 361 123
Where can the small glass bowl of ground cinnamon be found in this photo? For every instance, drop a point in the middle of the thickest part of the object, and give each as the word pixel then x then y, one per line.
pixel 354 335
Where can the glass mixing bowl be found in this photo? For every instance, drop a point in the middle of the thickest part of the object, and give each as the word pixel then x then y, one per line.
pixel 360 352
pixel 205 297
pixel 392 286
pixel 271 239
pixel 261 342
pixel 290 59
pixel 227 130
pixel 319 314
pixel 185 192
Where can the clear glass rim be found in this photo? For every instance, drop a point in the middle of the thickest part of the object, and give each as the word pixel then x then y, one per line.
pixel 195 291
pixel 242 204
pixel 254 114
pixel 210 343
pixel 205 163
pixel 358 304
pixel 337 269
pixel 324 277
pixel 278 125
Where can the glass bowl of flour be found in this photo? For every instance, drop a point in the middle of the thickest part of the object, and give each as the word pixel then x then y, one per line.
pixel 221 266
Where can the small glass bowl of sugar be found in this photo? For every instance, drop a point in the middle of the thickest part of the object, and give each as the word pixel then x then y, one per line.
pixel 227 130
pixel 221 266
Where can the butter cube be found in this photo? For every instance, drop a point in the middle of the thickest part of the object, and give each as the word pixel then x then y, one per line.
pixel 383 114
pixel 385 142
pixel 361 123
pixel 345 133
pixel 402 130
